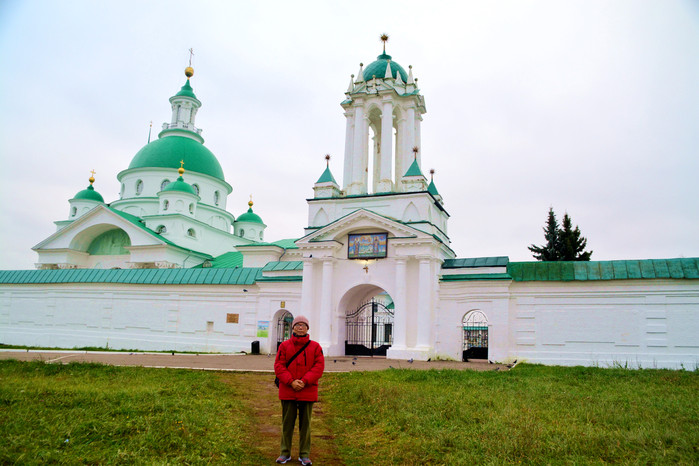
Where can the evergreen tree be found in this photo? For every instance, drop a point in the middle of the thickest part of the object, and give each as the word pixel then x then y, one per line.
pixel 549 251
pixel 572 243
pixel 562 243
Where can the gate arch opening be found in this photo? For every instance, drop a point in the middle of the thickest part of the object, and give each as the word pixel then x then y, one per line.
pixel 475 335
pixel 369 326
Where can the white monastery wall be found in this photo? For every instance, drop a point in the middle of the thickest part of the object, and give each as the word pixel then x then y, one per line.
pixel 144 317
pixel 629 323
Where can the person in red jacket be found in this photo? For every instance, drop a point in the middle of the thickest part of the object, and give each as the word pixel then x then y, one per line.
pixel 298 387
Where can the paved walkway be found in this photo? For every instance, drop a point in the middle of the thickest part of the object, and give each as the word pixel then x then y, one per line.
pixel 234 362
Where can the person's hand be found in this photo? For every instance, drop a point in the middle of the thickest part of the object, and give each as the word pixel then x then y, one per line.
pixel 298 385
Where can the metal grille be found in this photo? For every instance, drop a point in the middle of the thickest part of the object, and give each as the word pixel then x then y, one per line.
pixel 369 330
pixel 475 328
pixel 284 327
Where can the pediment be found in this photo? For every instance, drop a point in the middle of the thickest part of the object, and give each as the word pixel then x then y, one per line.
pixel 79 233
pixel 361 220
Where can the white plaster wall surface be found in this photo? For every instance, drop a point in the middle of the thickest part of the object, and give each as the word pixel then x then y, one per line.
pixel 146 317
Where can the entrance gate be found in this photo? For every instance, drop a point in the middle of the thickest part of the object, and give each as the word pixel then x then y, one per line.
pixel 369 330
pixel 475 325
pixel 284 327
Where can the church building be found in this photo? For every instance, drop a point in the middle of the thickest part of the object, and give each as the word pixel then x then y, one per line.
pixel 167 267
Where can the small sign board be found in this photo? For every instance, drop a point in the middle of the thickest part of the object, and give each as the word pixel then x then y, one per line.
pixel 367 246
pixel 262 328
pixel 232 318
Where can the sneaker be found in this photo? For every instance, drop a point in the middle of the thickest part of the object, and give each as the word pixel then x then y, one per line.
pixel 283 459
pixel 305 461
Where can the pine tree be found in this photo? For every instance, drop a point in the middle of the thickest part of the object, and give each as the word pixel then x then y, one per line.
pixel 572 244
pixel 549 251
pixel 562 243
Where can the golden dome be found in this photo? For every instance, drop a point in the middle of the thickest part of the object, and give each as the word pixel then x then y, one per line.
pixel 189 72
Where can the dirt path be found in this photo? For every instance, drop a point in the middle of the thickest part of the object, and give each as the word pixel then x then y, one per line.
pixel 260 395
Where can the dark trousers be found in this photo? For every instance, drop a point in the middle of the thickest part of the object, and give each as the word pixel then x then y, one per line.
pixel 290 408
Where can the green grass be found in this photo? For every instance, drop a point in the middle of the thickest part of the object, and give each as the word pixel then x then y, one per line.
pixel 532 414
pixel 89 413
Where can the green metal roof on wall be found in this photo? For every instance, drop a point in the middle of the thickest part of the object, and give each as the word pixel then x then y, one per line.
pixel 89 194
pixel 167 152
pixel 282 265
pixel 497 261
pixel 414 170
pixel 684 268
pixel 203 276
pixel 326 177
pixel 231 259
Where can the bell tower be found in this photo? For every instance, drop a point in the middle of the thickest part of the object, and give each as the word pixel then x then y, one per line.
pixel 384 100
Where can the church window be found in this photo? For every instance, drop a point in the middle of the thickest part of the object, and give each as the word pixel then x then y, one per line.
pixel 191 208
pixel 121 193
pixel 196 189
pixel 192 233
pixel 261 236
pixel 161 230
pixel 242 232
pixel 139 187
pixel 166 204
pixel 164 183
pixel 73 211
pixel 217 197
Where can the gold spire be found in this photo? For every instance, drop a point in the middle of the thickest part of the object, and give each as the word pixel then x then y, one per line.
pixel 189 71
pixel 327 160
pixel 415 151
pixel 431 174
pixel 92 177
pixel 384 39
pixel 181 169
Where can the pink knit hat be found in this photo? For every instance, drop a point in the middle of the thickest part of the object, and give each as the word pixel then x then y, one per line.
pixel 300 320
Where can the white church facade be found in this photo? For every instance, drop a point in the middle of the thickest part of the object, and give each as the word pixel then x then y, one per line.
pixel 167 267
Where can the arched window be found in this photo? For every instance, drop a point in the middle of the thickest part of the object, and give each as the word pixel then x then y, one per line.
pixel 217 197
pixel 191 233
pixel 196 189
pixel 139 187
pixel 242 232
pixel 261 236
pixel 73 211
pixel 161 230
pixel 121 193
pixel 191 208
pixel 166 204
pixel 164 183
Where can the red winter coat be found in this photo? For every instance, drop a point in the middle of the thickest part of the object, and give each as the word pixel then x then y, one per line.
pixel 308 366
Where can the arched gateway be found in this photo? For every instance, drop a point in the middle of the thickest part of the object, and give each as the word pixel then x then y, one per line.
pixel 369 328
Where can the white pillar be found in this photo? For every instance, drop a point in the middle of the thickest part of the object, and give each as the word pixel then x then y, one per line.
pixel 424 304
pixel 384 185
pixel 349 140
pixel 409 137
pixel 358 150
pixel 376 170
pixel 326 311
pixel 400 169
pixel 418 140
pixel 400 318
pixel 307 289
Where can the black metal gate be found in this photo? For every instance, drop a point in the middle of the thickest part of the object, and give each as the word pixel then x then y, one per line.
pixel 369 330
pixel 475 325
pixel 284 327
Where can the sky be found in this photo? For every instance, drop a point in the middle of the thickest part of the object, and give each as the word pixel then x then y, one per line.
pixel 589 107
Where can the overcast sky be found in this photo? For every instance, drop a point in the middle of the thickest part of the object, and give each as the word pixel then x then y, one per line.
pixel 590 107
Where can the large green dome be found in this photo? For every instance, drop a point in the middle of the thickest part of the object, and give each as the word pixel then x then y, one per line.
pixel 250 216
pixel 167 152
pixel 378 69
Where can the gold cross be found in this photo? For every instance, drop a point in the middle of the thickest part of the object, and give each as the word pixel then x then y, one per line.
pixel 191 53
pixel 181 163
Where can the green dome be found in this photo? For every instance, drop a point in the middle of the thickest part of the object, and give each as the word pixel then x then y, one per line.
pixel 180 185
pixel 187 91
pixel 378 69
pixel 89 194
pixel 167 152
pixel 250 216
